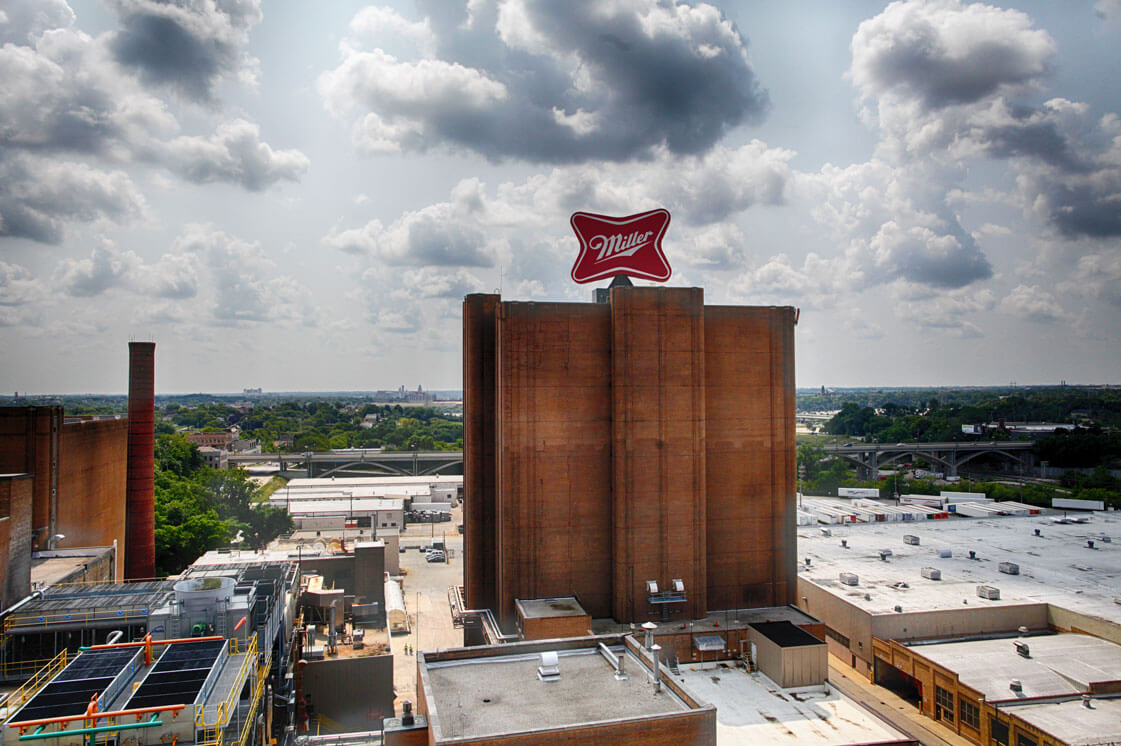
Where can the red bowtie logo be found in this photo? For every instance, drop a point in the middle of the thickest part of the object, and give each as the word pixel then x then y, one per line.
pixel 621 246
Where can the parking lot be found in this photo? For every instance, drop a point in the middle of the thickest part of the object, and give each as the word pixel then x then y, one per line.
pixel 425 589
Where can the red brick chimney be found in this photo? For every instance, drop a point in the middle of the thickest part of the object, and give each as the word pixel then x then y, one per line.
pixel 140 495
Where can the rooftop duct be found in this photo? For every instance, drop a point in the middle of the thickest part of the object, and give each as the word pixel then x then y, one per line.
pixel 549 670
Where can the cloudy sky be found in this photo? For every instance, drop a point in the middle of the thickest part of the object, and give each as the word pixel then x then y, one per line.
pixel 298 195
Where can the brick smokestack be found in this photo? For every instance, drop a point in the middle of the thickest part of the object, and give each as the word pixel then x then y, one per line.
pixel 140 500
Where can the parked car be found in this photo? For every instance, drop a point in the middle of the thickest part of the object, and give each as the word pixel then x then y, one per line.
pixel 436 556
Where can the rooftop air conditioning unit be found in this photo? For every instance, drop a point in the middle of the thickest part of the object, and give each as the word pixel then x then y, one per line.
pixel 911 539
pixel 931 573
pixel 945 553
pixel 849 578
pixel 991 592
pixel 1009 568
pixel 826 532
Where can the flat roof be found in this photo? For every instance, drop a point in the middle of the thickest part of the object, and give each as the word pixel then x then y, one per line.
pixel 1059 665
pixel 53 566
pixel 454 479
pixel 343 506
pixel 785 634
pixel 1056 567
pixel 547 608
pixel 1074 723
pixel 751 709
pixel 501 694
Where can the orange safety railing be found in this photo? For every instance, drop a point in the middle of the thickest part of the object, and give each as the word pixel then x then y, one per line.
pixel 113 716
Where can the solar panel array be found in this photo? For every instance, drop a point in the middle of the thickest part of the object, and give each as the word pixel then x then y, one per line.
pixel 69 693
pixel 178 675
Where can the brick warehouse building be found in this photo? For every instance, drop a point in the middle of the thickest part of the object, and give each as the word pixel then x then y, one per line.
pixel 649 438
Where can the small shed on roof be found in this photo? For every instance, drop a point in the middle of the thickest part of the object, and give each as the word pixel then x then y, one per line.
pixel 788 655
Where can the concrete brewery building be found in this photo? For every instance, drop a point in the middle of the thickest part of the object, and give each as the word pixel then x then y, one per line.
pixel 637 454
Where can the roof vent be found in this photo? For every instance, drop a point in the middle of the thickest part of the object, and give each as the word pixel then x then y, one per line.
pixel 549 670
pixel 1086 701
pixel 899 609
pixel 1037 532
pixel 849 578
pixel 808 563
pixel 826 532
pixel 1090 543
pixel 1023 631
pixel 845 543
pixel 991 592
pixel 884 554
pixel 1016 685
pixel 1105 540
pixel 1022 649
pixel 972 554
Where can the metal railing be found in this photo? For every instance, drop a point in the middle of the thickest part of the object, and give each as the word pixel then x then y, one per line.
pixel 210 731
pixel 32 686
pixel 75 618
pixel 258 689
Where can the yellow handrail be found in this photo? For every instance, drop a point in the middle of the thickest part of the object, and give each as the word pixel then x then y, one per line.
pixel 262 676
pixel 32 686
pixel 212 730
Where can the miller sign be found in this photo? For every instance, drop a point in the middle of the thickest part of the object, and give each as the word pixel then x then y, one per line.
pixel 621 246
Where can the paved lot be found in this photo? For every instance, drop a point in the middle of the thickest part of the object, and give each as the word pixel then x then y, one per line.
pixel 425 587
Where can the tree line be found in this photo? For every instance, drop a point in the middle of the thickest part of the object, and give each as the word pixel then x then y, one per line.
pixel 199 509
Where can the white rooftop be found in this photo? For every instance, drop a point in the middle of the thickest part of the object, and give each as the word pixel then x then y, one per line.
pixel 1057 666
pixel 1056 567
pixel 751 709
pixel 374 481
pixel 1076 724
pixel 343 506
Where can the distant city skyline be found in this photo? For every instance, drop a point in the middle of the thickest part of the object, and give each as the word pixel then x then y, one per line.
pixel 297 197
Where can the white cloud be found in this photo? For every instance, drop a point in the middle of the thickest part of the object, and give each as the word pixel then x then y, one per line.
pixel 104 269
pixel 544 81
pixel 234 154
pixel 39 196
pixel 1032 303
pixel 188 45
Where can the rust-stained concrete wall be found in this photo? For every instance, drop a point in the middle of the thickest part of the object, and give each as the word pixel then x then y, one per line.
pixel 658 396
pixel 78 470
pixel 91 484
pixel 15 538
pixel 750 456
pixel 650 438
pixel 27 445
pixel 553 455
pixel 479 462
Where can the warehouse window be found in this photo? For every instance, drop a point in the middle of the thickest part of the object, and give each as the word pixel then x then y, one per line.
pixel 830 632
pixel 970 714
pixel 943 704
pixel 999 731
pixel 1025 740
